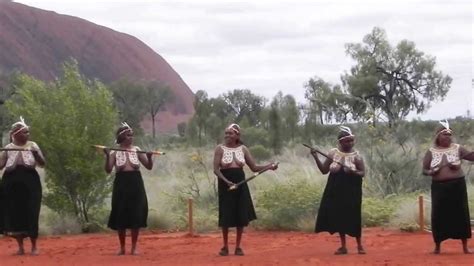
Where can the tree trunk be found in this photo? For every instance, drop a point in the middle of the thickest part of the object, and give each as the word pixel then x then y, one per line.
pixel 84 212
pixel 153 125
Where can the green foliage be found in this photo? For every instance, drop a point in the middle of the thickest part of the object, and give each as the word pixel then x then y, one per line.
pixel 53 223
pixel 290 115
pixel 326 102
pixel 209 120
pixel 275 126
pixel 66 117
pixel 7 90
pixel 244 104
pixel 129 97
pixel 201 113
pixel 392 159
pixel 405 216
pixel 255 136
pixel 157 95
pixel 260 153
pixel 377 211
pixel 283 205
pixel 391 81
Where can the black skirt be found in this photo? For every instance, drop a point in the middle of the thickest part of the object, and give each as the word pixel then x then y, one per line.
pixel 129 202
pixel 20 194
pixel 235 206
pixel 450 210
pixel 340 208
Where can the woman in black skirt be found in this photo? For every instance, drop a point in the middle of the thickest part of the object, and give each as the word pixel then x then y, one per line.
pixel 449 203
pixel 21 191
pixel 235 206
pixel 129 201
pixel 340 208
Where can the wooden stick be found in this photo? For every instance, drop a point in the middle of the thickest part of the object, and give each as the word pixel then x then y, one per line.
pixel 118 149
pixel 14 149
pixel 235 186
pixel 325 155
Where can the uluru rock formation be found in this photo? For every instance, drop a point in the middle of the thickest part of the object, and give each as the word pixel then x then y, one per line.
pixel 37 42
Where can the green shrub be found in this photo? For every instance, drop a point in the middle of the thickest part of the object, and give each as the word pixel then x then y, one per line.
pixel 285 205
pixel 160 220
pixel 52 223
pixel 377 212
pixel 260 153
pixel 406 214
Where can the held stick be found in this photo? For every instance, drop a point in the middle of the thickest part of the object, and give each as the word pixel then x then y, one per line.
pixel 118 149
pixel 325 155
pixel 235 186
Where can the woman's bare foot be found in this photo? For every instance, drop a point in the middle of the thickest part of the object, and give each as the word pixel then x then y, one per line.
pixel 135 252
pixel 467 251
pixel 121 252
pixel 436 250
pixel 361 250
pixel 34 252
pixel 20 251
pixel 341 251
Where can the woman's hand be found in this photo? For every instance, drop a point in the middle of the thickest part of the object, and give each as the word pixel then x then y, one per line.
pixel 433 171
pixel 273 166
pixel 106 151
pixel 149 154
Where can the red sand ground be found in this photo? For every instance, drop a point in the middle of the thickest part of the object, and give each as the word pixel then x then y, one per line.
pixel 384 247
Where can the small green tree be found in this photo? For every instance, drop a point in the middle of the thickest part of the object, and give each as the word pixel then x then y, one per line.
pixel 156 97
pixel 245 104
pixel 129 98
pixel 201 113
pixel 7 90
pixel 66 117
pixel 275 126
pixel 290 115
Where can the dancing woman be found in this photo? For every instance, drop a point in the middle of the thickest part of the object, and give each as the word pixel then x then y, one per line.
pixel 235 206
pixel 449 203
pixel 20 187
pixel 129 200
pixel 340 208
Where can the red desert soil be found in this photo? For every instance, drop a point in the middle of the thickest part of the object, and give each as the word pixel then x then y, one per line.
pixel 384 247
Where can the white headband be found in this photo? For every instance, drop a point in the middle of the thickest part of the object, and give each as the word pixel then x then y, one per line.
pixel 445 124
pixel 236 130
pixel 128 128
pixel 21 123
pixel 347 130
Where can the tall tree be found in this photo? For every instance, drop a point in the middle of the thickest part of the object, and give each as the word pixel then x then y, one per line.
pixel 201 113
pixel 290 115
pixel 321 97
pixel 394 80
pixel 129 98
pixel 275 123
pixel 66 117
pixel 7 90
pixel 243 103
pixel 157 96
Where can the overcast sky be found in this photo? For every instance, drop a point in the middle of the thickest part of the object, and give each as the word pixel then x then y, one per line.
pixel 268 46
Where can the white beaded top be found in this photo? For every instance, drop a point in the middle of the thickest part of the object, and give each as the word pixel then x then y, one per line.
pixel 122 156
pixel 27 156
pixel 347 159
pixel 231 153
pixel 451 153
